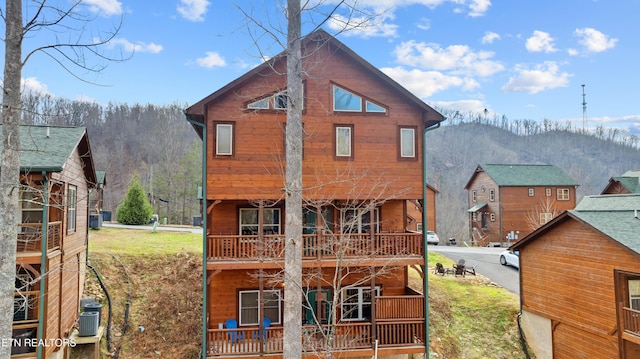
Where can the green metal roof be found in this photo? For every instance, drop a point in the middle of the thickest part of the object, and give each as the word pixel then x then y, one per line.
pixel 610 202
pixel 630 183
pixel 47 148
pixel 477 207
pixel 527 175
pixel 621 226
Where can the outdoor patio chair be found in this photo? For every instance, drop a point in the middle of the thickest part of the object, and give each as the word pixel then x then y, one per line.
pixel 471 270
pixel 234 335
pixel 460 269
pixel 439 269
pixel 266 323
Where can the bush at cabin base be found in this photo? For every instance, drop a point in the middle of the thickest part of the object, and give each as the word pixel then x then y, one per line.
pixel 135 209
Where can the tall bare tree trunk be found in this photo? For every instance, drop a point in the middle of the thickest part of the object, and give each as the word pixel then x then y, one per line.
pixel 10 167
pixel 293 187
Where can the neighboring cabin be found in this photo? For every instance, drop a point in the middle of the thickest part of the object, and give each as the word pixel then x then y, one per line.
pixel 362 164
pixel 57 173
pixel 509 201
pixel 580 281
pixel 414 212
pixel 627 183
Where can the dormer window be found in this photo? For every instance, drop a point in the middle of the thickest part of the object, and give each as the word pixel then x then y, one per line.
pixel 347 101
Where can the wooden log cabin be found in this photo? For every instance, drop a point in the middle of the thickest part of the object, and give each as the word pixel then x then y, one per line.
pixel 580 281
pixel 509 201
pixel 362 164
pixel 57 173
pixel 629 182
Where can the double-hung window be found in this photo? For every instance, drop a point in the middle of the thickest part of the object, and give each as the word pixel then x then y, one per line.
pixel 562 194
pixel 224 139
pixel 71 208
pixel 249 306
pixel 634 293
pixel 31 205
pixel 356 303
pixel 249 221
pixel 545 217
pixel 407 142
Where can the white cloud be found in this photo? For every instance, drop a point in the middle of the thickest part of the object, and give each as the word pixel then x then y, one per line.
pixel 106 7
pixel 211 60
pixel 426 83
pixel 363 26
pixel 540 42
pixel 572 52
pixel 193 10
pixel 128 46
pixel 424 24
pixel 31 84
pixel 594 41
pixel 478 7
pixel 543 76
pixel 489 37
pixel 459 59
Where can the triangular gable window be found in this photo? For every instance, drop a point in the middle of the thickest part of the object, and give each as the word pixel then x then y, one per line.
pixel 277 101
pixel 347 101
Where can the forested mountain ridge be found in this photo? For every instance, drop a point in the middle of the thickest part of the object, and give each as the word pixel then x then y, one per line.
pixel 158 144
pixel 456 150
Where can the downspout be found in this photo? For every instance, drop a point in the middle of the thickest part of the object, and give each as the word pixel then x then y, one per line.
pixel 43 260
pixel 204 231
pixel 425 271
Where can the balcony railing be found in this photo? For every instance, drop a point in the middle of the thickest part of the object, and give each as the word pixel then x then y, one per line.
pixel 30 236
pixel 399 323
pixel 315 339
pixel 250 247
pixel 631 319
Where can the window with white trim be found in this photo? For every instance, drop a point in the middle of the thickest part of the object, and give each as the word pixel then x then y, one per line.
pixel 249 306
pixel 562 194
pixel 492 216
pixel 474 196
pixel 249 221
pixel 224 139
pixel 492 195
pixel 356 303
pixel 532 192
pixel 72 198
pixel 347 101
pixel 407 142
pixel 358 221
pixel 31 205
pixel 548 192
pixel 634 294
pixel 545 217
pixel 344 141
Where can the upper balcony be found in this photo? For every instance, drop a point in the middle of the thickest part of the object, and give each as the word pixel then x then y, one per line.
pixel 30 237
pixel 317 247
pixel 631 324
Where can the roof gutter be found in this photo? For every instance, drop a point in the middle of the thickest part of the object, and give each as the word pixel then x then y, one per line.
pixel 204 230
pixel 425 271
pixel 43 261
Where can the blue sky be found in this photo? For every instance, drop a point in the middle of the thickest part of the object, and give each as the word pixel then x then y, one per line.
pixel 526 59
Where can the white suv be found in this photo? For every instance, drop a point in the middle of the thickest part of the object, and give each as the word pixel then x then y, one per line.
pixel 432 238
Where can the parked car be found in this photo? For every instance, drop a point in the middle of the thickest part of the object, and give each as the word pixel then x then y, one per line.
pixel 511 258
pixel 432 238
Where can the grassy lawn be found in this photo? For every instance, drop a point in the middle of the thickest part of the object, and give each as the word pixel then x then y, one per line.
pixel 142 241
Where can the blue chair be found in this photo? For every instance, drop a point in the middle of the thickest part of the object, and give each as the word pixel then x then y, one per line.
pixel 234 335
pixel 266 323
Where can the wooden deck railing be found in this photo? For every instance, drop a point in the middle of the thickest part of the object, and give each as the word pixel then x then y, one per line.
pixel 249 247
pixel 631 321
pixel 399 307
pixel 30 236
pixel 315 339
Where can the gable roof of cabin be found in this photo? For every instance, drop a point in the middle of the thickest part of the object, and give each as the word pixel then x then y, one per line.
pixel 631 183
pixel 516 175
pixel 47 148
pixel 196 111
pixel 612 215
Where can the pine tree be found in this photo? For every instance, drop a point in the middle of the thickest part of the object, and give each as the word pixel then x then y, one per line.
pixel 135 209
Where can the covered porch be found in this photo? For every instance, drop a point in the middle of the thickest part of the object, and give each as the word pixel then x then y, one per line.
pixel 396 327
